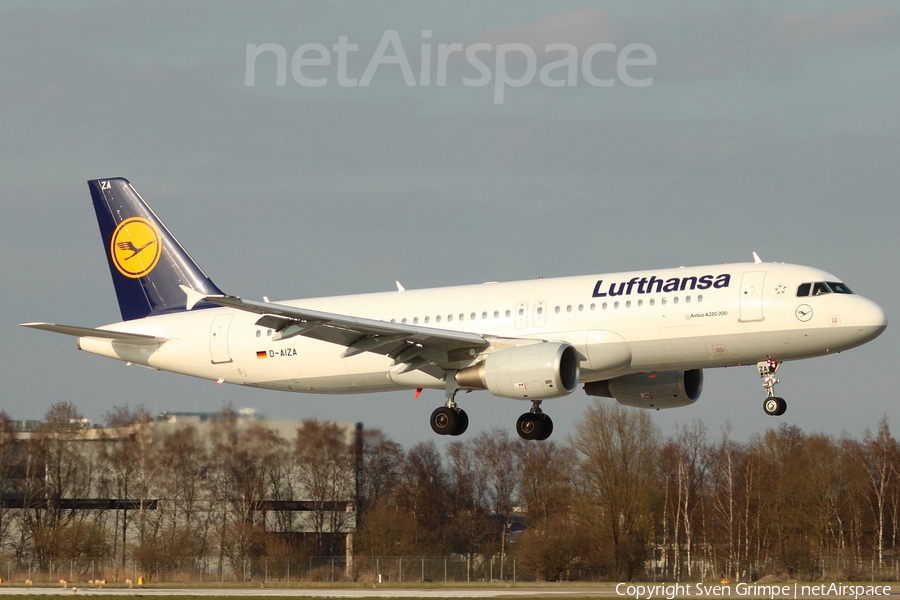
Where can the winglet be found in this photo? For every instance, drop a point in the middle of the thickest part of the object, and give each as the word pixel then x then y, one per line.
pixel 400 287
pixel 756 258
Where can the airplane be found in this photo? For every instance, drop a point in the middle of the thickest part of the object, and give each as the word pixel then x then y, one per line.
pixel 643 338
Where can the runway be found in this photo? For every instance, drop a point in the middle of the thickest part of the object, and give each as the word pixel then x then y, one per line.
pixel 442 592
pixel 625 591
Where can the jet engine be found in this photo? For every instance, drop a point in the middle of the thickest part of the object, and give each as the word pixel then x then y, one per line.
pixel 530 372
pixel 666 389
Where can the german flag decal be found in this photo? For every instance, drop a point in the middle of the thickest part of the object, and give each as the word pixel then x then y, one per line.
pixel 262 354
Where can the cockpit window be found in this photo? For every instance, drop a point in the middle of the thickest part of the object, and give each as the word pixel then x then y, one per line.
pixel 820 287
pixel 839 288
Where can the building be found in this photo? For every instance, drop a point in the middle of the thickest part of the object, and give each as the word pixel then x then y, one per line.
pixel 223 489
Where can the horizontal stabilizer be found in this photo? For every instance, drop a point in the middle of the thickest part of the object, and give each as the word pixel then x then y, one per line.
pixel 122 336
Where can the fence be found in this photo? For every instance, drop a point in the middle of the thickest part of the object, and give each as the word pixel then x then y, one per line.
pixel 401 569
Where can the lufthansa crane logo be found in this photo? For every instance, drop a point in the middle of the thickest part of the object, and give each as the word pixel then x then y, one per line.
pixel 135 247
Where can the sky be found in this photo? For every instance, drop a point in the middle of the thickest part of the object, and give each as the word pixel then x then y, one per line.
pixel 698 133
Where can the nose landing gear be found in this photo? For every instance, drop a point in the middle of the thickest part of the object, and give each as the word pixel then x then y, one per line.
pixel 772 405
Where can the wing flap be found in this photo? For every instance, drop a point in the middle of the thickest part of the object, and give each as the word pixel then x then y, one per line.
pixel 122 336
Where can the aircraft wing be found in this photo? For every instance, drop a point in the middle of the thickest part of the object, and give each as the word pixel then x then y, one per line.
pixel 412 345
pixel 122 336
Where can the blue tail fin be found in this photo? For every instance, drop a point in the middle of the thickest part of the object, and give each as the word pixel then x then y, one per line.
pixel 146 262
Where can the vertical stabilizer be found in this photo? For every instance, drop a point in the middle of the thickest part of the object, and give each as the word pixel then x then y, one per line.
pixel 146 262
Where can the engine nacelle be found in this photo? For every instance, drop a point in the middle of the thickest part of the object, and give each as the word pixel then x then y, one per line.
pixel 530 372
pixel 666 389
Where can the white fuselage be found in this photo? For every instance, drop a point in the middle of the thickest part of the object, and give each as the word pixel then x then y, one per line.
pixel 621 323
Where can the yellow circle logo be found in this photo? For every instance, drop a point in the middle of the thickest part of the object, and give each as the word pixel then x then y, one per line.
pixel 135 247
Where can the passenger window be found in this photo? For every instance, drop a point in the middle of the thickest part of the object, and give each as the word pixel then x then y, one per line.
pixel 508 312
pixel 472 316
pixel 427 319
pixel 803 290
pixel 496 314
pixel 462 317
pixel 484 315
pixel 437 319
pixel 540 310
pixel 415 320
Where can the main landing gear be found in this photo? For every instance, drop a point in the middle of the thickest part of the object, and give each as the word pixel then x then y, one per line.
pixel 773 405
pixel 450 419
pixel 534 425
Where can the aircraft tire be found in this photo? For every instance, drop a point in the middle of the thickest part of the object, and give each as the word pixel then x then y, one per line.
pixel 444 420
pixel 546 428
pixel 774 406
pixel 530 426
pixel 462 423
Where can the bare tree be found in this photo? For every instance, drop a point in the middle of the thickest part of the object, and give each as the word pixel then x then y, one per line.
pixel 326 468
pixel 240 451
pixel 553 542
pixel 425 495
pixel 61 471
pixel 617 450
pixel 879 457
pixel 496 463
pixel 123 453
pixel 8 460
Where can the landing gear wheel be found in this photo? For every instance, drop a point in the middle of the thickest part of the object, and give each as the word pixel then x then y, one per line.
pixel 534 426
pixel 444 420
pixel 547 428
pixel 529 426
pixel 774 406
pixel 462 423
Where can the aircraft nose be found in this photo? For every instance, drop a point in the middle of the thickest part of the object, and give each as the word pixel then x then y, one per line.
pixel 871 319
